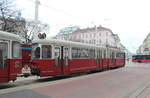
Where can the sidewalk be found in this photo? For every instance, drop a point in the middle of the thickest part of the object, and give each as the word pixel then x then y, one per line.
pixel 145 93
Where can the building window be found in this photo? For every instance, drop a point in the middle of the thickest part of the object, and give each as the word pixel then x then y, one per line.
pixel 99 33
pixel 94 35
pixel 86 35
pixel 99 41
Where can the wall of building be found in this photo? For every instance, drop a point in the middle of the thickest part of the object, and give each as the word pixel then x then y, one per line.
pixel 95 35
pixel 145 47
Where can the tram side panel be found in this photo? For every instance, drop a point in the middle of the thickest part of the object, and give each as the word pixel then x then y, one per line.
pixel 45 68
pixel 48 61
pixel 82 65
pixel 10 57
pixel 14 63
pixel 57 59
pixel 120 59
pixel 14 68
pixel 83 59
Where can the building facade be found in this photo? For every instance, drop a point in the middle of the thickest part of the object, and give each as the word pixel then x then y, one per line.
pixel 94 35
pixel 145 47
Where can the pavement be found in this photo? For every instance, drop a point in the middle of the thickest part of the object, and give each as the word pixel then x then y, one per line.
pixel 145 93
pixel 132 81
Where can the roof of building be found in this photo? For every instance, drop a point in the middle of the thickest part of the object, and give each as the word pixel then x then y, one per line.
pixel 93 29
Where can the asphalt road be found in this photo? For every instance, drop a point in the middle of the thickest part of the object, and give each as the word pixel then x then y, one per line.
pixel 126 82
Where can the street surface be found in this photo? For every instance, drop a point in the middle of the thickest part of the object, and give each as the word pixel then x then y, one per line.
pixel 131 81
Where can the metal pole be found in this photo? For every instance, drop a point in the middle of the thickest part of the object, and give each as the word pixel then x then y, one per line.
pixel 37 2
pixel 36 10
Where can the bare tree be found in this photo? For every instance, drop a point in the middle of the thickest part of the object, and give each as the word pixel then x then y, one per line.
pixel 8 13
pixel 11 21
pixel 32 30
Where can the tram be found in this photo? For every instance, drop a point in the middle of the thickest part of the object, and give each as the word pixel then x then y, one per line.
pixel 55 57
pixel 10 56
pixel 141 58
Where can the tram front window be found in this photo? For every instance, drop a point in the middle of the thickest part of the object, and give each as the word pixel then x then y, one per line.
pixel 16 50
pixel 3 54
pixel 36 51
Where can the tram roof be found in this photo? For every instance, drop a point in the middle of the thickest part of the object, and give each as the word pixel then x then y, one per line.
pixel 9 36
pixel 65 43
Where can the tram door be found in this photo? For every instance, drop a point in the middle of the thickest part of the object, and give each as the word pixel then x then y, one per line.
pixel 61 60
pixel 3 63
pixel 65 62
pixel 58 65
pixel 99 59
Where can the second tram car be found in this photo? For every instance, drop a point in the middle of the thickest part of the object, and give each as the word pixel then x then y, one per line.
pixel 57 57
pixel 10 57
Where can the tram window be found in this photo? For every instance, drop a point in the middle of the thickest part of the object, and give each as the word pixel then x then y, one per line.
pixel 1 59
pixel 108 54
pixel 57 52
pixel 100 51
pixel 57 56
pixel 120 55
pixel 66 56
pixel 46 51
pixel 3 54
pixel 147 57
pixel 74 52
pixel 36 53
pixel 113 56
pixel 92 53
pixel 79 53
pixel 117 55
pixel 84 53
pixel 104 54
pixel 16 50
pixel 66 52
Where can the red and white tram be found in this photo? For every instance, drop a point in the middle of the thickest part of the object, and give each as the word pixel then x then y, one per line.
pixel 57 57
pixel 53 57
pixel 10 56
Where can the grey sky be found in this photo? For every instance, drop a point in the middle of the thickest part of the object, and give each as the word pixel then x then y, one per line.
pixel 127 18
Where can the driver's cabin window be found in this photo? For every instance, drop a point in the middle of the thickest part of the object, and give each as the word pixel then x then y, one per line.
pixel 16 52
pixel 3 54
pixel 46 51
pixel 36 51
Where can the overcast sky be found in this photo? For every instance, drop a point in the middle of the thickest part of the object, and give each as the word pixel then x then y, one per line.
pixel 130 19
